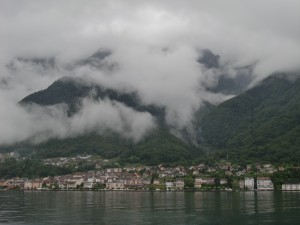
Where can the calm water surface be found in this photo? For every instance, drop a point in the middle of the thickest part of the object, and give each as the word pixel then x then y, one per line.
pixel 166 208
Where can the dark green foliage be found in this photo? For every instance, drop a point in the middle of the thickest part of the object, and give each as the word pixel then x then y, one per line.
pixel 158 147
pixel 29 168
pixel 290 175
pixel 261 124
pixel 108 146
pixel 189 182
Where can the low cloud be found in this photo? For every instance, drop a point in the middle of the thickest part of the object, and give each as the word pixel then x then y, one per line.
pixel 112 116
pixel 155 47
pixel 37 124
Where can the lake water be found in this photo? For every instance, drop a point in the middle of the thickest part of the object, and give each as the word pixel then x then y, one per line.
pixel 121 207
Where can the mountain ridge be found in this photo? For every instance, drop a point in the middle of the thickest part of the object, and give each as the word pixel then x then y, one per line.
pixel 72 90
pixel 262 123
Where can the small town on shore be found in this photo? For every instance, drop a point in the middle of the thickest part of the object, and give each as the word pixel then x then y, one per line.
pixel 222 176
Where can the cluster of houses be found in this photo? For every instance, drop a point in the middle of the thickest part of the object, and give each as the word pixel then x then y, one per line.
pixel 75 161
pixel 110 179
pixel 154 178
pixel 128 179
pixel 227 167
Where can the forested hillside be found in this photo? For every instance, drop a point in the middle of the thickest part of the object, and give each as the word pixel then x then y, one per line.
pixel 262 123
pixel 159 146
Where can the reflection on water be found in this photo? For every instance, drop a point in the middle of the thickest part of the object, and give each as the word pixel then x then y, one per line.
pixel 117 207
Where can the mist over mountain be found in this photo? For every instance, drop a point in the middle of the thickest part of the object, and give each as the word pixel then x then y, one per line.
pixel 126 140
pixel 133 69
pixel 225 82
pixel 261 123
pixel 72 91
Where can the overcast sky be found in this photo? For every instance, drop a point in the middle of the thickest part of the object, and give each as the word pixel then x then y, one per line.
pixel 155 45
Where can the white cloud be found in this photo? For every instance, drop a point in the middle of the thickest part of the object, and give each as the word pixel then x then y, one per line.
pixel 155 44
pixel 38 124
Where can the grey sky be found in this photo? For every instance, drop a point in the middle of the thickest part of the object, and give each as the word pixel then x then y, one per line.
pixel 155 44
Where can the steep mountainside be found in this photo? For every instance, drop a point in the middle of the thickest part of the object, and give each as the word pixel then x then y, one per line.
pixel 71 90
pixel 262 123
pixel 159 146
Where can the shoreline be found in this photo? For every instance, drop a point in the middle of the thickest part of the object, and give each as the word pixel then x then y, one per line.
pixel 169 191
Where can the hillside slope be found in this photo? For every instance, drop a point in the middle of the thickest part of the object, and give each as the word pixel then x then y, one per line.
pixel 160 146
pixel 262 123
pixel 71 90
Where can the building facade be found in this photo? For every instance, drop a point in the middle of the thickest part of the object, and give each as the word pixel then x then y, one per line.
pixel 264 183
pixel 249 183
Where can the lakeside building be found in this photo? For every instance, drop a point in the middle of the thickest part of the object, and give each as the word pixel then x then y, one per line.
pixel 169 185
pixel 114 185
pixel 290 187
pixel 264 183
pixel 242 184
pixel 208 180
pixel 75 181
pixel 89 183
pixel 249 183
pixel 179 184
pixel 198 183
pixel 133 182
pixel 223 181
pixel 33 184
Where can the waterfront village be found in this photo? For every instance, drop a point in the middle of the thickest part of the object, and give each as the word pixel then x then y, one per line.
pixel 223 176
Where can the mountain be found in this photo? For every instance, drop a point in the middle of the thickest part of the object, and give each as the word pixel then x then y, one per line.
pixel 262 123
pixel 159 146
pixel 71 90
pixel 209 59
pixel 226 83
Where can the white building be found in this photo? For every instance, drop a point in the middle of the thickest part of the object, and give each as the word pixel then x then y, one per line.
pixel 249 183
pixel 208 180
pixel 197 183
pixel 291 187
pixel 75 181
pixel 223 181
pixel 264 183
pixel 32 184
pixel 89 183
pixel 169 185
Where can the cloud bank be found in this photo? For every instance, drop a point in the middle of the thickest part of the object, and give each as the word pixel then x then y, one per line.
pixel 37 124
pixel 154 48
